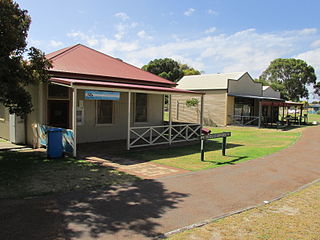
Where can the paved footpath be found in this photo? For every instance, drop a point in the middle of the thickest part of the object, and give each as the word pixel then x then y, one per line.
pixel 155 206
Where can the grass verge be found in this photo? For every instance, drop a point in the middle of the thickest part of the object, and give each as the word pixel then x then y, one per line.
pixel 245 143
pixel 313 117
pixel 296 216
pixel 25 174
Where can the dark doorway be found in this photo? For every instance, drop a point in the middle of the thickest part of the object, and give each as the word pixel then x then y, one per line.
pixel 58 113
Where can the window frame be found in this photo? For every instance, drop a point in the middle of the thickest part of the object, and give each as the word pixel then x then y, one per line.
pixel 57 98
pixel 135 109
pixel 113 114
pixel 80 109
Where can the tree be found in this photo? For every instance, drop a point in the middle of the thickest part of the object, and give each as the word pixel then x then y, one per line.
pixel 187 70
pixel 16 73
pixel 169 69
pixel 289 76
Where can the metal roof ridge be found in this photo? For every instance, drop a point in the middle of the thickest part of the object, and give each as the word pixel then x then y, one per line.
pixel 68 49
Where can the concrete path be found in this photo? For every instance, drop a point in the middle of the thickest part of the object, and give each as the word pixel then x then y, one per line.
pixel 152 207
pixel 9 145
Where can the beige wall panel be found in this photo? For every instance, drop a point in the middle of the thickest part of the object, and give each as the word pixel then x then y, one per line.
pixel 181 112
pixel 4 125
pixel 33 117
pixel 230 109
pixel 245 86
pixel 91 132
pixel 214 108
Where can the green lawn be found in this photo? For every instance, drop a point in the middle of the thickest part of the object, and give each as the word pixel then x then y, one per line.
pixel 245 143
pixel 24 174
pixel 2 140
pixel 314 117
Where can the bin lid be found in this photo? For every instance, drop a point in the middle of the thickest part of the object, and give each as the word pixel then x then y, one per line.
pixel 54 130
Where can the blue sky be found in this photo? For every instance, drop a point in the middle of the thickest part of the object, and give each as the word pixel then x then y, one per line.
pixel 212 36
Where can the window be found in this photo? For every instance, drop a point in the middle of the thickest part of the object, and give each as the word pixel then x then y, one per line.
pixel 104 112
pixel 141 114
pixel 80 116
pixel 2 112
pixel 56 91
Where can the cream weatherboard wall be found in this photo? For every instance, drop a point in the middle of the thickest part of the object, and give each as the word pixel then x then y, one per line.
pixel 89 131
pixel 33 117
pixel 230 109
pixel 244 86
pixel 183 113
pixel 4 123
pixel 215 108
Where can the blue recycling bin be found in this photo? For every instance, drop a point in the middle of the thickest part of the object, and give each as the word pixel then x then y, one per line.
pixel 54 143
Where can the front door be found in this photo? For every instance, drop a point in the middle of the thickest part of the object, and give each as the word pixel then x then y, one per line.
pixel 58 113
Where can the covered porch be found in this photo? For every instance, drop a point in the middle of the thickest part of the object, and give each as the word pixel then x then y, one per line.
pixel 266 111
pixel 250 110
pixel 128 113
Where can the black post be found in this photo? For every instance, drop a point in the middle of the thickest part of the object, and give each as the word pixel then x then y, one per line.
pixel 224 143
pixel 201 150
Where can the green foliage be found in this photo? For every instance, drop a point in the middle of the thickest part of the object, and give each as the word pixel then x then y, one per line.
pixel 289 76
pixel 318 112
pixel 169 69
pixel 15 72
pixel 192 102
pixel 317 88
pixel 187 70
pixel 166 68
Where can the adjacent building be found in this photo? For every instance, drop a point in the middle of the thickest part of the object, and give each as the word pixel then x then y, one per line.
pixel 230 98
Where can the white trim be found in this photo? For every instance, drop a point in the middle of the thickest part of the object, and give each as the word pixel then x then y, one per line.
pixel 129 121
pixel 58 98
pixel 74 120
pixel 133 90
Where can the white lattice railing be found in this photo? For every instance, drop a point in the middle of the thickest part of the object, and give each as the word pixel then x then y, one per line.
pixel 157 135
pixel 243 120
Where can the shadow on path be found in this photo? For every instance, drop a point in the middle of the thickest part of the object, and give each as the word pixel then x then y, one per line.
pixel 89 214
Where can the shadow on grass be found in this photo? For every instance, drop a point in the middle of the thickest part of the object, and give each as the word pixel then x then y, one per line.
pixel 25 174
pixel 123 210
pixel 137 156
pixel 231 162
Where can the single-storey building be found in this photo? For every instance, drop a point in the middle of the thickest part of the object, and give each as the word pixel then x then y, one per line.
pixel 94 97
pixel 230 98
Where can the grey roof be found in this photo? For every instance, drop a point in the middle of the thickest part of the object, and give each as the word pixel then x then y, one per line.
pixel 208 81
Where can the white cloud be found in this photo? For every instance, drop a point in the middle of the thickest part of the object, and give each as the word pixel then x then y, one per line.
pixel 316 43
pixel 55 44
pixel 104 44
pixel 189 12
pixel 122 15
pixel 308 31
pixel 212 12
pixel 246 50
pixel 210 30
pixel 312 57
pixel 89 40
pixel 143 35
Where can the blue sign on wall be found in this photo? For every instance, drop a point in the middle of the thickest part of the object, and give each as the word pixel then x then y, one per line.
pixel 101 95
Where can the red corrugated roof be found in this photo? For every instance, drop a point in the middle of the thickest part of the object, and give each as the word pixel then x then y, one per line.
pixel 89 83
pixel 79 59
